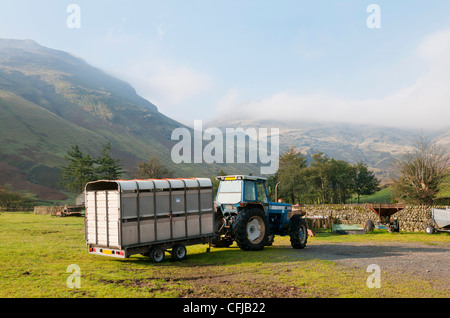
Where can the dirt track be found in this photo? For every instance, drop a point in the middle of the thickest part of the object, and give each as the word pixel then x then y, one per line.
pixel 397 262
pixel 431 262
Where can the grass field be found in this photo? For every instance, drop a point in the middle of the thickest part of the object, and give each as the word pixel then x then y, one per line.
pixel 37 250
pixel 445 187
pixel 383 196
pixel 386 195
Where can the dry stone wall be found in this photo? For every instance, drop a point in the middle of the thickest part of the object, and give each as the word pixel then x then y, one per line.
pixel 52 210
pixel 412 218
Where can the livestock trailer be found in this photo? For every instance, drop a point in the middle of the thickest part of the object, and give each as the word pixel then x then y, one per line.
pixel 148 217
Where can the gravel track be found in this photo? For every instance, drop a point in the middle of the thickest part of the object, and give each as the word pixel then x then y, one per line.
pixel 431 262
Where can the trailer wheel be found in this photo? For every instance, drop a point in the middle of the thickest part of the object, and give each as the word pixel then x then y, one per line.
pixel 250 229
pixel 156 254
pixel 298 231
pixel 429 229
pixel 179 252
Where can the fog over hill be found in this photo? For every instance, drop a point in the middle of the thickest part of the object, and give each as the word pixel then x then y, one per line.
pixel 51 100
pixel 376 146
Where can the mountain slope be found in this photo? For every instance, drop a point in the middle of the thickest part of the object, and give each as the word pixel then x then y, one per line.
pixel 51 100
pixel 376 146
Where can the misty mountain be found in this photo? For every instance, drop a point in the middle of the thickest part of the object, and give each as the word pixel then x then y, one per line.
pixel 51 100
pixel 376 146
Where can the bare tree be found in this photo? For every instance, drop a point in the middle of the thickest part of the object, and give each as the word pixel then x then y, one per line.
pixel 421 172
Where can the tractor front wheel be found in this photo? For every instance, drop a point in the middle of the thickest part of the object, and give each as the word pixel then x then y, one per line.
pixel 298 232
pixel 250 229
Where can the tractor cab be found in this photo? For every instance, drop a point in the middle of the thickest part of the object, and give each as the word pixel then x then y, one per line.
pixel 236 192
pixel 245 215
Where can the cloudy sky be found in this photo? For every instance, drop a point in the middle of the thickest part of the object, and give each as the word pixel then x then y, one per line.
pixel 290 59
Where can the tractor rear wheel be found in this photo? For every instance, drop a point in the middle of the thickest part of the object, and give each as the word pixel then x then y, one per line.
pixel 298 232
pixel 250 229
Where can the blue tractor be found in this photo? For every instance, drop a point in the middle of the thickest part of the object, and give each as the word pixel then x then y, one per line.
pixel 244 214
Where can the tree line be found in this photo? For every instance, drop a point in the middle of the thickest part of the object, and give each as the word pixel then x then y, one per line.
pixel 82 168
pixel 10 200
pixel 420 176
pixel 322 180
pixel 319 180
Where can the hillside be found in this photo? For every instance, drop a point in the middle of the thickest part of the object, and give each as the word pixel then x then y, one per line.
pixel 386 194
pixel 51 100
pixel 376 146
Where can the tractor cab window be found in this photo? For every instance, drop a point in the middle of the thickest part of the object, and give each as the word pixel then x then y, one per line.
pixel 261 190
pixel 230 192
pixel 249 191
pixel 255 191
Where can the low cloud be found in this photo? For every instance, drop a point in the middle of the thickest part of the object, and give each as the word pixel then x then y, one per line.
pixel 424 104
pixel 167 83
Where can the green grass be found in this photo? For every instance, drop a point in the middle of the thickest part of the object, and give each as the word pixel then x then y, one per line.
pixel 386 195
pixel 383 196
pixel 36 251
pixel 445 188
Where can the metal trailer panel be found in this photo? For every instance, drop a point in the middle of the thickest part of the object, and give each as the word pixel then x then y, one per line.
pixel 125 214
pixel 441 217
pixel 102 225
pixel 348 229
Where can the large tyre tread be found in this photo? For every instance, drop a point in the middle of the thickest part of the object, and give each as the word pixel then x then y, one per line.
pixel 239 230
pixel 297 223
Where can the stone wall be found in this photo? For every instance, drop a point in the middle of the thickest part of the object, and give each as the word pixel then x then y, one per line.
pixel 411 218
pixel 51 210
